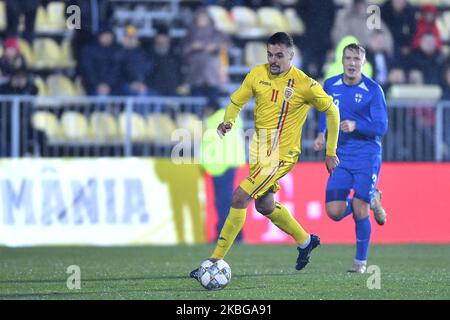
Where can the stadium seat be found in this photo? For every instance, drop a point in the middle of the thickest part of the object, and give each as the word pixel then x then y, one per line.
pixel 26 52
pixel 103 126
pixel 272 20
pixel 190 122
pixel 47 53
pixel 56 20
pixel 246 21
pixel 67 59
pixel 222 19
pixel 160 127
pixel 41 23
pixel 422 92
pixel 255 53
pixel 295 23
pixel 75 125
pixel 3 22
pixel 59 85
pixel 138 126
pixel 41 86
pixel 47 122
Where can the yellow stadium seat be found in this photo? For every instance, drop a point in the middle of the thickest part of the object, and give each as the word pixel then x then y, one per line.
pixel 3 22
pixel 295 23
pixel 103 126
pixel 138 126
pixel 42 86
pixel 26 52
pixel 190 122
pixel 246 21
pixel 422 92
pixel 67 59
pixel 222 19
pixel 56 20
pixel 41 23
pixel 255 53
pixel 160 127
pixel 47 53
pixel 443 28
pixel 47 122
pixel 272 20
pixel 59 86
pixel 75 125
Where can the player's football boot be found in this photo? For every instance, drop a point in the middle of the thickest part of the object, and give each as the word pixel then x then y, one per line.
pixel 378 211
pixel 304 254
pixel 358 267
pixel 194 274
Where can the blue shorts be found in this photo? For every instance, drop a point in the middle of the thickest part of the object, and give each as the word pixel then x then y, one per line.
pixel 363 181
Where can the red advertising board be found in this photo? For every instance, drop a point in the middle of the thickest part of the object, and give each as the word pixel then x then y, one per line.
pixel 416 197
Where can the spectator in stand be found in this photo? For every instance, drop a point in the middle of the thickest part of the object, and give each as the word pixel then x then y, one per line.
pixel 353 21
pixel 100 65
pixel 21 83
pixel 427 25
pixel 317 40
pixel 14 9
pixel 94 14
pixel 399 17
pixel 396 76
pixel 377 54
pixel 203 48
pixel 427 59
pixel 10 60
pixel 446 97
pixel 135 65
pixel 165 77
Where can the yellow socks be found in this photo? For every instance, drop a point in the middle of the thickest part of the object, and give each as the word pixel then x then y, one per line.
pixel 282 218
pixel 233 224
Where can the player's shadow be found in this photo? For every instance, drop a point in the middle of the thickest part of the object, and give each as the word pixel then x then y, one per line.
pixel 183 183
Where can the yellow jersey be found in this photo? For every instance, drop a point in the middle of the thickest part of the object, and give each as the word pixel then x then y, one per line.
pixel 282 103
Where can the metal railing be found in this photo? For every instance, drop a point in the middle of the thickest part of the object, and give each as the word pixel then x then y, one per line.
pixel 142 126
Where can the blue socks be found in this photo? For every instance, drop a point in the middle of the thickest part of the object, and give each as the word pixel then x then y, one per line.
pixel 363 229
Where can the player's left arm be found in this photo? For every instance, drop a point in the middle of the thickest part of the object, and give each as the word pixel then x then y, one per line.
pixel 378 123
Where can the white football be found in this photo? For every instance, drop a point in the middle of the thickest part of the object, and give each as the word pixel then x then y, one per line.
pixel 214 275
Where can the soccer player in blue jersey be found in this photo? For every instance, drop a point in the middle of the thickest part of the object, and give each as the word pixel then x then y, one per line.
pixel 364 121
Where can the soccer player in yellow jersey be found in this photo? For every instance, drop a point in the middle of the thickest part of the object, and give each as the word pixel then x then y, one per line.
pixel 283 95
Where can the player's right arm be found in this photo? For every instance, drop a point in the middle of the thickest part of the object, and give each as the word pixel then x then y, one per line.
pixel 237 101
pixel 319 142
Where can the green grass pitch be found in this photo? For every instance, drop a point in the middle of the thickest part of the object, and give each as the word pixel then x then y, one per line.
pixel 258 272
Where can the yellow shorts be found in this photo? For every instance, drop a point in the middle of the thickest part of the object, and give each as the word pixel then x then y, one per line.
pixel 265 178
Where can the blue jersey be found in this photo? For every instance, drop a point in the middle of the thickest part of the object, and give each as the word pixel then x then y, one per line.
pixel 365 104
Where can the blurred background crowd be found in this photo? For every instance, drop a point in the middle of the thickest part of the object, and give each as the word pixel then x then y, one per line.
pixel 204 48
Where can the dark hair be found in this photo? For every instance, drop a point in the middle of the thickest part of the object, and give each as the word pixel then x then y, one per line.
pixel 354 46
pixel 281 38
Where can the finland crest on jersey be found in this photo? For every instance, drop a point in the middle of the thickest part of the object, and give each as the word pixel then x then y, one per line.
pixel 358 97
pixel 288 93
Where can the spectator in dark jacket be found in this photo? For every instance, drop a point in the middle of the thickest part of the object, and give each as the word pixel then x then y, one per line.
pixel 377 54
pixel 16 8
pixel 427 59
pixel 11 59
pixel 165 76
pixel 399 17
pixel 21 83
pixel 135 65
pixel 95 14
pixel 100 65
pixel 317 40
